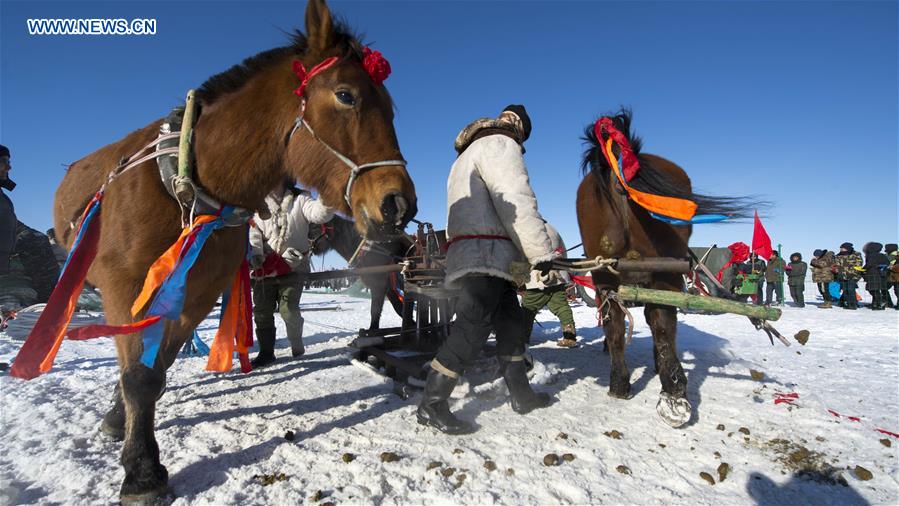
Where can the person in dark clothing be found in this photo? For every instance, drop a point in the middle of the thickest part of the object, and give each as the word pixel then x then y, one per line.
pixel 796 271
pixel 484 239
pixel 774 277
pixel 35 254
pixel 822 274
pixel 875 274
pixel 7 212
pixel 892 251
pixel 757 267
pixel 849 269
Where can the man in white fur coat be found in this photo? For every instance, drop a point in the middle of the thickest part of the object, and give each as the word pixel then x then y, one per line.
pixel 492 221
pixel 280 252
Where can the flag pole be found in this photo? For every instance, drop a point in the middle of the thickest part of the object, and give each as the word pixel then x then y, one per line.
pixel 783 274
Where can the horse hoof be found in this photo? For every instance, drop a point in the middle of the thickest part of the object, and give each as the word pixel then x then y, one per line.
pixel 675 411
pixel 160 497
pixel 621 393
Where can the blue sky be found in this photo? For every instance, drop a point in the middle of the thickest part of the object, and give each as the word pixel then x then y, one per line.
pixel 796 101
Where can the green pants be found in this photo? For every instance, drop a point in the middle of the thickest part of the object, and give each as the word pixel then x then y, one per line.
pixel 280 293
pixel 554 297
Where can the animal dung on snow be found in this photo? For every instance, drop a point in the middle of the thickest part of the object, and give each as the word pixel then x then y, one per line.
pixel 551 459
pixel 723 469
pixel 756 375
pixel 862 473
pixel 802 336
pixel 389 457
pixel 707 477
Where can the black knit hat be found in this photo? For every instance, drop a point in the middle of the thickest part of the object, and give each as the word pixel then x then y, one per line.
pixel 4 151
pixel 818 252
pixel 522 114
pixel 846 245
pixel 891 247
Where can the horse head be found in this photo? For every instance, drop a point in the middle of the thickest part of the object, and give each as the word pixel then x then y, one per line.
pixel 343 141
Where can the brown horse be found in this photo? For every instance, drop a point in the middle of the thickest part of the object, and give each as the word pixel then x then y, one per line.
pixel 342 237
pixel 245 144
pixel 612 225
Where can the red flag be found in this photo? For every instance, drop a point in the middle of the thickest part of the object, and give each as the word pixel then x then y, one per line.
pixel 761 243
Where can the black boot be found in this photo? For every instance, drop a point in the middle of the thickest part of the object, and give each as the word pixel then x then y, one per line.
pixel 434 408
pixel 266 356
pixel 523 398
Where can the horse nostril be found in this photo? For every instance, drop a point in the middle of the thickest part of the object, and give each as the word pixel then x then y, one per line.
pixel 393 207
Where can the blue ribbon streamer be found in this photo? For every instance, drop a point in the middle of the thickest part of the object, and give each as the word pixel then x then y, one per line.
pixel 82 229
pixel 697 220
pixel 169 300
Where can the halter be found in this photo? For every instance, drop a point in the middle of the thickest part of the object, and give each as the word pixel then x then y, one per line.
pixel 378 69
pixel 355 170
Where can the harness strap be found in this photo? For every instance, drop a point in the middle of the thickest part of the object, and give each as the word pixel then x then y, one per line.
pixel 355 170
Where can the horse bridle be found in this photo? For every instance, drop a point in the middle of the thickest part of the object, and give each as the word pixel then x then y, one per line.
pixel 355 170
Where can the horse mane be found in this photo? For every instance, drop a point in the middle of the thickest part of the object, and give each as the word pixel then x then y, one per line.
pixel 346 43
pixel 649 178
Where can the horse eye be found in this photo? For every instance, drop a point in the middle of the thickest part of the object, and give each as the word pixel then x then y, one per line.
pixel 346 98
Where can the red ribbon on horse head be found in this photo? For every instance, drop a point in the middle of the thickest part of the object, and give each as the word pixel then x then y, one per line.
pixel 376 66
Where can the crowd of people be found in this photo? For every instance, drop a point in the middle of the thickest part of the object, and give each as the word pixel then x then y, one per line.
pixel 836 274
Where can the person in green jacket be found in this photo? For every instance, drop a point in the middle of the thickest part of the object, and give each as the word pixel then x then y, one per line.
pixel 796 271
pixel 774 278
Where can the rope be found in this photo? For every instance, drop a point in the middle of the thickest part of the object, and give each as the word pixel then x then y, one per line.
pixel 587 265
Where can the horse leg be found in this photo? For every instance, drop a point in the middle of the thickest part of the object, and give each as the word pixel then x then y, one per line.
pixel 673 406
pixel 146 479
pixel 378 287
pixel 113 424
pixel 613 328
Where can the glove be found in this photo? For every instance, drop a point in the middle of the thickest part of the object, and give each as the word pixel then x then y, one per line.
pixel 544 267
pixel 256 261
pixel 294 258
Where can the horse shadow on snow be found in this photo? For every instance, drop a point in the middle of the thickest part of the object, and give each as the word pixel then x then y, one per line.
pixel 702 355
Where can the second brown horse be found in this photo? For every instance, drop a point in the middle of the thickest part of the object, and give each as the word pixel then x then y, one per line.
pixel 613 225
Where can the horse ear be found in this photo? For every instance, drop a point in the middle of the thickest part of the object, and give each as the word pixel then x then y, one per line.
pixel 319 26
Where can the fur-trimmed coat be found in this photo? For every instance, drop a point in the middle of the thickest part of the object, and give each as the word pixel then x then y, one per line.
pixel 286 233
pixel 489 194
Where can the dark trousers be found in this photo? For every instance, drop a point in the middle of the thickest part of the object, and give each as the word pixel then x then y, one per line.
pixel 796 293
pixel 772 287
pixel 282 294
pixel 876 299
pixel 848 286
pixel 485 303
pixel 760 293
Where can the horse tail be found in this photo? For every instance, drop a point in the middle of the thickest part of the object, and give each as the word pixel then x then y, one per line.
pixel 650 179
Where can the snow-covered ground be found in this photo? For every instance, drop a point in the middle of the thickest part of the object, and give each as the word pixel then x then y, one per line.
pixel 219 433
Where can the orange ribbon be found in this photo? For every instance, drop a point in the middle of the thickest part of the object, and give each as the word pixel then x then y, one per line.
pixel 235 330
pixel 164 265
pixel 673 207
